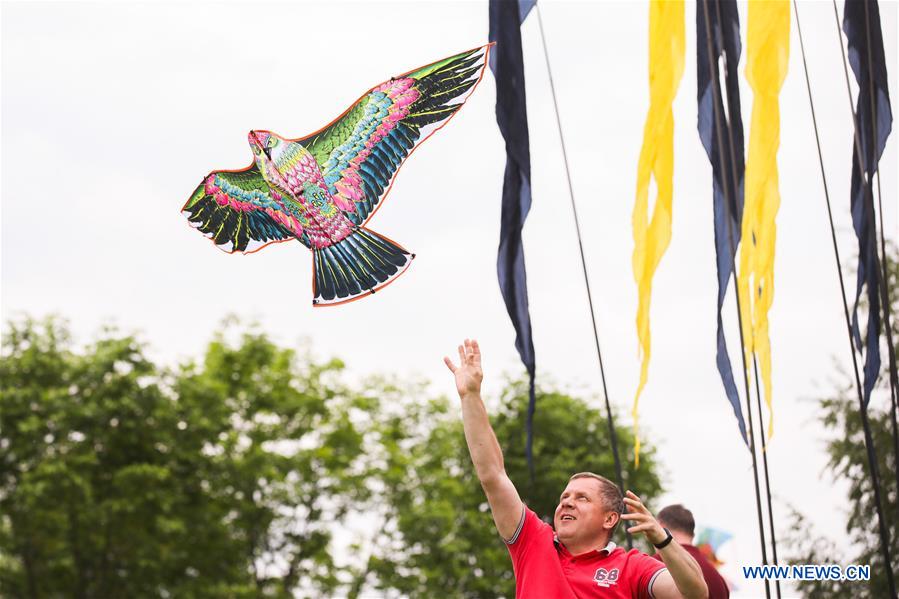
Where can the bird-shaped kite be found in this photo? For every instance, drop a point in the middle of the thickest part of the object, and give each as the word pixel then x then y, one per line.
pixel 323 188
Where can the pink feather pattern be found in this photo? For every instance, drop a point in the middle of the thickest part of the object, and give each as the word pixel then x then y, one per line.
pixel 401 94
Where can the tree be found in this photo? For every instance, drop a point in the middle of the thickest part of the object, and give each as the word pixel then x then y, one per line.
pixel 121 479
pixel 86 478
pixel 848 462
pixel 229 476
pixel 437 531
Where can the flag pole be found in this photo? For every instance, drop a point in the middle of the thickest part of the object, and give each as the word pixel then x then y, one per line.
pixel 885 279
pixel 758 399
pixel 612 436
pixel 872 463
pixel 868 195
pixel 717 96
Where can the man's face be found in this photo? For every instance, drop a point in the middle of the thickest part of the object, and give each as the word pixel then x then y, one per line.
pixel 581 515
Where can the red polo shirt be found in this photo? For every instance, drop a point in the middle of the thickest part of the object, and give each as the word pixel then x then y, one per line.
pixel 544 569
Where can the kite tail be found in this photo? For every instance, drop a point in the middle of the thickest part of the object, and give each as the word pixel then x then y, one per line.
pixel 356 266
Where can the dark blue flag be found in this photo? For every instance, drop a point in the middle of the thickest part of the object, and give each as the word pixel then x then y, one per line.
pixel 862 26
pixel 725 154
pixel 512 117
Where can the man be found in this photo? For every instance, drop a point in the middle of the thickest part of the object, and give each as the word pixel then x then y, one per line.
pixel 578 561
pixel 679 520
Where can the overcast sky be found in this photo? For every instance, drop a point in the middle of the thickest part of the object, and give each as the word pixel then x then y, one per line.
pixel 113 112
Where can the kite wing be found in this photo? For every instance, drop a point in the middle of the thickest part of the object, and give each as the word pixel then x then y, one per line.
pixel 239 212
pixel 362 150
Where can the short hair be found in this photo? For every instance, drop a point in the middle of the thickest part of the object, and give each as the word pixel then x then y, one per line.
pixel 677 517
pixel 609 492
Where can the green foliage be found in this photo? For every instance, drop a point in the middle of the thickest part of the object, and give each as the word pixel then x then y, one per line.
pixel 221 479
pixel 848 462
pixel 229 476
pixel 438 532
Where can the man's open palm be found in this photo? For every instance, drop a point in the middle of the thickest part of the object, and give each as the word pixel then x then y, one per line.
pixel 468 373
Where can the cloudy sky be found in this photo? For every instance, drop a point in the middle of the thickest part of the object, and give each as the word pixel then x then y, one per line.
pixel 113 112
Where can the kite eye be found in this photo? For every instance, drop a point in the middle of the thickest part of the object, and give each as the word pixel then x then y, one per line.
pixel 256 150
pixel 272 142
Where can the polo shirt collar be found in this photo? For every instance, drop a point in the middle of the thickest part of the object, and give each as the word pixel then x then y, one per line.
pixel 608 549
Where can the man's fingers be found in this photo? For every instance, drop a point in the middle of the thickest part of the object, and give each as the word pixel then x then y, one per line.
pixel 634 516
pixel 639 528
pixel 636 504
pixel 449 364
pixel 469 354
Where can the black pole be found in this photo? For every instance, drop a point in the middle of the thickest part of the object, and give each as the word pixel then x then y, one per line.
pixel 717 96
pixel 758 399
pixel 612 436
pixel 869 196
pixel 885 278
pixel 872 463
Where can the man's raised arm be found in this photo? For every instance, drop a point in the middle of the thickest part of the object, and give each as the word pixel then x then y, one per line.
pixel 486 454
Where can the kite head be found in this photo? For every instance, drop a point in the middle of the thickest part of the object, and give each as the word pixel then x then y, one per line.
pixel 267 148
pixel 264 144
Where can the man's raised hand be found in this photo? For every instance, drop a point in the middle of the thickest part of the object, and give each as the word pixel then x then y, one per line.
pixel 468 373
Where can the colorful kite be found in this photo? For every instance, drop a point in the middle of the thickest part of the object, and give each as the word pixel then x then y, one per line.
pixel 709 542
pixel 322 189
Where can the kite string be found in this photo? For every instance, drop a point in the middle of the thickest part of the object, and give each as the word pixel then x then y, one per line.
pixel 717 95
pixel 612 435
pixel 867 181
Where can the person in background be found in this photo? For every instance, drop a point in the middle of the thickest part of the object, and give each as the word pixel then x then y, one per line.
pixel 679 520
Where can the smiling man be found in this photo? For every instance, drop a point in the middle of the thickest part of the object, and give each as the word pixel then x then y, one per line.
pixel 577 560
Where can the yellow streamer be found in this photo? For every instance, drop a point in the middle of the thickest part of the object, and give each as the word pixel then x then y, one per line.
pixel 767 55
pixel 651 238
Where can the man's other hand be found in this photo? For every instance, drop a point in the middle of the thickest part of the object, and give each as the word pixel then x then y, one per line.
pixel 643 520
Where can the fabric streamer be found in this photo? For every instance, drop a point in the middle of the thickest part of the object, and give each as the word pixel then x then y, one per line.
pixel 512 118
pixel 767 58
pixel 864 36
pixel 725 186
pixel 651 237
